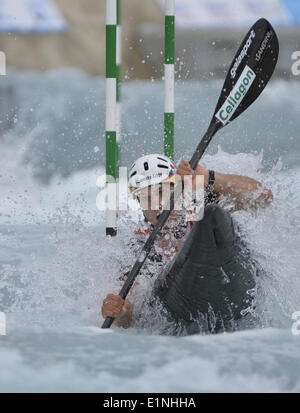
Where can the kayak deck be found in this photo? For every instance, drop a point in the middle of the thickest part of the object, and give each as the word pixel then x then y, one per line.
pixel 210 283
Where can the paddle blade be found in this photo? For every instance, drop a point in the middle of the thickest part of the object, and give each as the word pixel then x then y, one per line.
pixel 249 72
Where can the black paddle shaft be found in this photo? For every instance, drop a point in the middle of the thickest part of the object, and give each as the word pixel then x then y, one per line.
pixel 249 73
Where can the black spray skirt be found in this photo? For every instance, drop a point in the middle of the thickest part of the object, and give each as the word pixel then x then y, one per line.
pixel 210 283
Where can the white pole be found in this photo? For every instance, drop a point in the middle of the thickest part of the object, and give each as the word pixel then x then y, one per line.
pixel 111 114
pixel 169 115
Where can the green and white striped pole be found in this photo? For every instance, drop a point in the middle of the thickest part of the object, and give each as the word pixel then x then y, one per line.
pixel 169 78
pixel 111 116
pixel 119 62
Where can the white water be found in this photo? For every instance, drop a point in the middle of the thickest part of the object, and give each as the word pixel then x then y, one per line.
pixel 56 265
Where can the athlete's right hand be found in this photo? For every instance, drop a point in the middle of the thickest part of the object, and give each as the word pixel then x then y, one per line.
pixel 114 306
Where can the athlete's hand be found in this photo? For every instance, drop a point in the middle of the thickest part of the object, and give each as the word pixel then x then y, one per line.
pixel 114 306
pixel 185 169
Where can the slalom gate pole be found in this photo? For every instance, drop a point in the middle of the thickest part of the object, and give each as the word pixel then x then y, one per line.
pixel 111 116
pixel 113 99
pixel 169 78
pixel 118 97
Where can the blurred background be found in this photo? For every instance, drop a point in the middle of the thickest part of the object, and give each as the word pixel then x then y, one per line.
pixel 49 34
pixel 53 97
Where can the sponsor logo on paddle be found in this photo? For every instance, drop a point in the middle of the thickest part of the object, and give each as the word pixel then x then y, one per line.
pixel 236 96
pixel 2 324
pixel 241 56
pixel 296 65
pixel 264 45
pixel 296 325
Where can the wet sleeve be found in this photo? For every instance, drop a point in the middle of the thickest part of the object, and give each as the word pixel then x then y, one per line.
pixel 211 196
pixel 133 247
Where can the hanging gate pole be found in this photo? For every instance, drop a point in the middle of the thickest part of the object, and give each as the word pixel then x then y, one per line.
pixel 169 78
pixel 111 116
pixel 118 97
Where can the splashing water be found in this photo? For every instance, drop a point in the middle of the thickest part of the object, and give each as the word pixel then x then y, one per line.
pixel 56 265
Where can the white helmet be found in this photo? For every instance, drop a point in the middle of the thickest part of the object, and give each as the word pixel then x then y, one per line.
pixel 150 170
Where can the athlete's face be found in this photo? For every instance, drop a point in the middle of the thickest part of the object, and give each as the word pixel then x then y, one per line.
pixel 154 199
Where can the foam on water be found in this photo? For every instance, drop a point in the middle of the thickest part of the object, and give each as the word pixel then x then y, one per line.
pixel 56 265
pixel 84 360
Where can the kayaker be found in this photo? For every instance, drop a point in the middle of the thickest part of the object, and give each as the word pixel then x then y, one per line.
pixel 154 172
